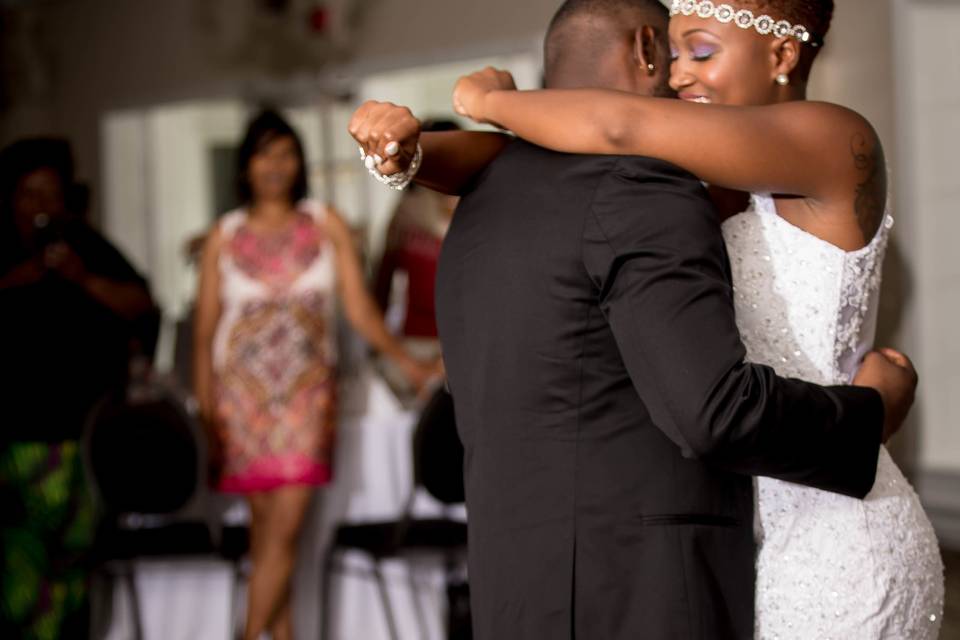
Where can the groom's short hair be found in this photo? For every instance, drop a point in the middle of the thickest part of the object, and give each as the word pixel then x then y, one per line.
pixel 566 36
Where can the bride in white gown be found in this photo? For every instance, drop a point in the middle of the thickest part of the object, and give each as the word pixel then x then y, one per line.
pixel 806 230
pixel 828 566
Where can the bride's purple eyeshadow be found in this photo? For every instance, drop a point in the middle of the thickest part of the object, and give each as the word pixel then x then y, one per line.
pixel 703 51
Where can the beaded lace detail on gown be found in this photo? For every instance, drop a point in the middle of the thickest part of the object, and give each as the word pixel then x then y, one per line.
pixel 828 566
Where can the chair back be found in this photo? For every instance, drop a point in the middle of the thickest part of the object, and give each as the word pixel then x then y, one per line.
pixel 438 452
pixel 144 457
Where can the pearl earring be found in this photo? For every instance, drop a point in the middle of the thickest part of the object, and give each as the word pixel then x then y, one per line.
pixel 783 79
pixel 651 68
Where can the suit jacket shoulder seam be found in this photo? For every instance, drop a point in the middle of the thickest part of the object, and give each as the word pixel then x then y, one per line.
pixel 614 162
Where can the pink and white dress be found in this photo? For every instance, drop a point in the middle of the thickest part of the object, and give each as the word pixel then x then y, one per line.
pixel 274 353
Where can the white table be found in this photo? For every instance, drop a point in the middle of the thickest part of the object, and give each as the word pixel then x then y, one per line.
pixel 185 600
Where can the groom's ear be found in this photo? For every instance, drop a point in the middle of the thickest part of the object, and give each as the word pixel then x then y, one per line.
pixel 645 50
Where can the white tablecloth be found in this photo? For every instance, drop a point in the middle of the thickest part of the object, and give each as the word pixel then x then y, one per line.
pixel 190 599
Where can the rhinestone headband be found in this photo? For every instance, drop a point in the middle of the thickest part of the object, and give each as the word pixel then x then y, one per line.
pixel 744 18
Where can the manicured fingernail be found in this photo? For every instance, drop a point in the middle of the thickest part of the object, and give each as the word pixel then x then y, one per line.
pixel 393 148
pixel 378 158
pixel 369 163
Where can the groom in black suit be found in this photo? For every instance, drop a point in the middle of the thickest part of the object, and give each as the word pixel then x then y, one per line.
pixel 610 422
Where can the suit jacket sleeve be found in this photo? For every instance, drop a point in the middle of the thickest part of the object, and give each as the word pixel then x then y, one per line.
pixel 653 247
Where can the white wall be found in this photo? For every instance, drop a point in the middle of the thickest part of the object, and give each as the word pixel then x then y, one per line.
pixel 928 57
pixel 124 140
pixel 855 69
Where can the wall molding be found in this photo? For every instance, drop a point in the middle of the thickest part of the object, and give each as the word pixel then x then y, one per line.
pixel 940 494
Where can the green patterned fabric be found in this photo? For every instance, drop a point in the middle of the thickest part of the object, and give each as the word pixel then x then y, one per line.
pixel 46 533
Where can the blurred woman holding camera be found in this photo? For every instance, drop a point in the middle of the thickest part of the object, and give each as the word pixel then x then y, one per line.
pixel 71 311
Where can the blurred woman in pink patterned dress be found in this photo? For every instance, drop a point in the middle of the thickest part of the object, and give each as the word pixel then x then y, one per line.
pixel 272 274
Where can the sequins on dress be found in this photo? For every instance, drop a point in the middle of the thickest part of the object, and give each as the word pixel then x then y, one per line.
pixel 828 567
pixel 274 353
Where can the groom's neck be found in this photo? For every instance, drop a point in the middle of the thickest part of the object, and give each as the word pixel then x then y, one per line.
pixel 591 76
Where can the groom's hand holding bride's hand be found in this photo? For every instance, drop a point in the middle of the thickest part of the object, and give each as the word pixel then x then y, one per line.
pixel 472 90
pixel 386 132
pixel 892 374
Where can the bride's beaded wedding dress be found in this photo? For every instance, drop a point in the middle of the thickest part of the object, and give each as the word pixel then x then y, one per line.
pixel 828 566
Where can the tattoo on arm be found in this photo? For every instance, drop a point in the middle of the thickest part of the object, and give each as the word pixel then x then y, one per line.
pixel 871 192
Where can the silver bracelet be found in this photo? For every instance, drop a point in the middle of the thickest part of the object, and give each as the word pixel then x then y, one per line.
pixel 398 181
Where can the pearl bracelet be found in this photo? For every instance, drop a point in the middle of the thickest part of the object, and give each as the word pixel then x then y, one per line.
pixel 398 181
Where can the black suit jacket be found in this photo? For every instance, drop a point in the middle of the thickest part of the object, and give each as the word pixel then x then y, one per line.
pixel 610 422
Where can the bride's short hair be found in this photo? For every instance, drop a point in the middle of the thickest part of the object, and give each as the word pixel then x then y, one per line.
pixel 815 15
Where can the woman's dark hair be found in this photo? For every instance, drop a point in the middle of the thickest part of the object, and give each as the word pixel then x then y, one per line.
pixel 266 127
pixel 815 15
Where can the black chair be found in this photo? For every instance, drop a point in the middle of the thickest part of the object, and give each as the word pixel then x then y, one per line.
pixel 145 462
pixel 438 468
